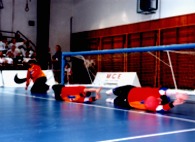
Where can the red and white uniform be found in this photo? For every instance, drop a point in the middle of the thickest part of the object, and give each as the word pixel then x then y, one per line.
pixel 138 96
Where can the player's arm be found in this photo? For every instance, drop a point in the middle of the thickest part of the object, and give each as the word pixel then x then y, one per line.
pixel 180 99
pixel 27 80
pixel 96 90
pixel 166 94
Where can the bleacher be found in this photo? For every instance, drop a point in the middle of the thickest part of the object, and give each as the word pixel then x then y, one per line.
pixel 8 61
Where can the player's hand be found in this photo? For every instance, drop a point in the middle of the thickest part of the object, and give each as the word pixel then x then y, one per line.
pixel 178 102
pixel 181 96
pixel 180 99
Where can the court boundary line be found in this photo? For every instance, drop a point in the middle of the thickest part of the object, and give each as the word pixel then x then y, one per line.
pixel 104 107
pixel 150 135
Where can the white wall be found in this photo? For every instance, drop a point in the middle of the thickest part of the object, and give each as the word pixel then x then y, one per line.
pixel 61 12
pixel 171 8
pixel 98 14
pixel 13 17
pixel 87 15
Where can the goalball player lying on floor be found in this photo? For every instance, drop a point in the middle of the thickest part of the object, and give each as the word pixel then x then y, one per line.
pixel 145 98
pixel 79 94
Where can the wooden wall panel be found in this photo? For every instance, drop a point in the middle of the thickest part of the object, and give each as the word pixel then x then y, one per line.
pixel 112 62
pixel 152 72
pixel 147 69
pixel 169 36
pixel 107 60
pixel 107 43
pixel 118 59
pixel 166 79
pixel 149 38
pixel 118 41
pixel 93 43
pixel 134 40
pixel 171 22
pixel 186 66
pixel 186 34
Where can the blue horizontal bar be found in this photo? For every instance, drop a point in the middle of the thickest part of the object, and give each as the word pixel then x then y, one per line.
pixel 137 49
pixel 125 50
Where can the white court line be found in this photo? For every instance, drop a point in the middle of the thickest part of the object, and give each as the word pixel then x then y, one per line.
pixel 149 135
pixel 30 96
pixel 143 113
pixel 104 107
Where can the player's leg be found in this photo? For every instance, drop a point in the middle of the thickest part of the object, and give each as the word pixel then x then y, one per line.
pixel 122 90
pixel 121 102
pixel 40 86
pixel 57 91
pixel 96 90
pixel 121 99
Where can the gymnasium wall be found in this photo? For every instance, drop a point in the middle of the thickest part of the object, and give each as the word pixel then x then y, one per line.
pixel 13 17
pixel 151 72
pixel 87 15
pixel 99 14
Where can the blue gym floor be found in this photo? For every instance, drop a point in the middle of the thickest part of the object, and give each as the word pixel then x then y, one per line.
pixel 40 118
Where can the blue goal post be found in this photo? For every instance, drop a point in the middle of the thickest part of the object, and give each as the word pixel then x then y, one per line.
pixel 123 50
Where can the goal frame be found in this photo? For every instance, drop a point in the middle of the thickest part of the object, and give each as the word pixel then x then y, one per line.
pixel 126 50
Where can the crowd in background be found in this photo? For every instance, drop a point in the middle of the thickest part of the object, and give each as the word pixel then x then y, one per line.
pixel 15 53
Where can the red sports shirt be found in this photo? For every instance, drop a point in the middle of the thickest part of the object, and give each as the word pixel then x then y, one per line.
pixel 33 73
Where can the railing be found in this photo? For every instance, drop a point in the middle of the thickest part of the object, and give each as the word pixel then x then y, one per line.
pixel 11 35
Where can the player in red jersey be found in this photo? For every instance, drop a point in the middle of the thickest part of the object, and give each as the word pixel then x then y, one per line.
pixel 79 94
pixel 145 98
pixel 38 77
